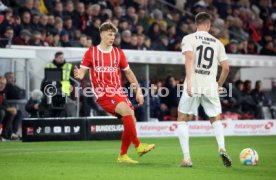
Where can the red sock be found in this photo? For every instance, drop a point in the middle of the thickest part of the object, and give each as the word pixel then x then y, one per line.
pixel 130 129
pixel 125 143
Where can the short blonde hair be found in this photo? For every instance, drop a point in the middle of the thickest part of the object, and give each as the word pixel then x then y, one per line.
pixel 106 26
pixel 203 18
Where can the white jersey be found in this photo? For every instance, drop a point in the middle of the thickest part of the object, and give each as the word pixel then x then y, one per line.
pixel 207 53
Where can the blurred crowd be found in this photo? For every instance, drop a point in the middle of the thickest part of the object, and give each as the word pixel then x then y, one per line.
pixel 243 26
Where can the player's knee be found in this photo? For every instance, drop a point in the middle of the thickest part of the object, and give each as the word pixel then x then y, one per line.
pixel 180 118
pixel 127 111
pixel 214 118
pixel 183 117
pixel 123 109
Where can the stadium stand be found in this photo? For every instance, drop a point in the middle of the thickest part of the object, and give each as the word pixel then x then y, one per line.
pixel 245 27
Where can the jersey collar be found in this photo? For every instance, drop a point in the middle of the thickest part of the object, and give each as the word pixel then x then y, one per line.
pixel 103 50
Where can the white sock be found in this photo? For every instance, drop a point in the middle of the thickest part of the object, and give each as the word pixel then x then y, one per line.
pixel 218 129
pixel 183 135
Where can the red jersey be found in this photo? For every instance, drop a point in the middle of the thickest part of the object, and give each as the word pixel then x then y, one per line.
pixel 105 68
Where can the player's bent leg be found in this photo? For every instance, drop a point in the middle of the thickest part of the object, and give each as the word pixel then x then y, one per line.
pixel 129 128
pixel 127 114
pixel 218 129
pixel 183 135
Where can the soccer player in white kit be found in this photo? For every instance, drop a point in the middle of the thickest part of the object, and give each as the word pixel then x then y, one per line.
pixel 203 53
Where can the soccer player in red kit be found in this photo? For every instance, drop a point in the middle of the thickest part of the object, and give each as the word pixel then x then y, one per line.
pixel 105 63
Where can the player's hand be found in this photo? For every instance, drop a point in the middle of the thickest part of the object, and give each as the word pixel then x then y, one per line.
pixel 139 97
pixel 220 89
pixel 189 89
pixel 77 73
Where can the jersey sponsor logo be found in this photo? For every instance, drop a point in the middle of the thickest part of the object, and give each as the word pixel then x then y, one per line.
pixel 106 69
pixel 106 128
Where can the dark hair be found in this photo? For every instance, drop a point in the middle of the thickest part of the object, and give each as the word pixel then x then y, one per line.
pixel 65 18
pixel 238 82
pixel 9 28
pixel 247 82
pixel 8 10
pixel 8 73
pixel 203 18
pixel 257 82
pixel 58 54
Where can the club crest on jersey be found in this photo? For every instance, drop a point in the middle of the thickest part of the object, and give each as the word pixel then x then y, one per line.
pixel 113 101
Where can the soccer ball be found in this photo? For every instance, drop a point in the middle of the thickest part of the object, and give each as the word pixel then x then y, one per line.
pixel 249 156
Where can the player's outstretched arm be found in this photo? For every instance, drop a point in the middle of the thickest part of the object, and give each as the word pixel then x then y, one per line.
pixel 79 73
pixel 135 85
pixel 224 73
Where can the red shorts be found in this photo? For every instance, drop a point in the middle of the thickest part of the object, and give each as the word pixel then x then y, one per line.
pixel 109 103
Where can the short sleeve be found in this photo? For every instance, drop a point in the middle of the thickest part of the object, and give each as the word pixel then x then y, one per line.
pixel 87 59
pixel 123 62
pixel 186 44
pixel 222 54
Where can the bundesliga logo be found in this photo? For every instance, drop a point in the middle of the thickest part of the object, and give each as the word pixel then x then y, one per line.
pixel 106 128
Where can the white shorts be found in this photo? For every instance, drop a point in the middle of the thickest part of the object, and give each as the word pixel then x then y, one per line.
pixel 189 105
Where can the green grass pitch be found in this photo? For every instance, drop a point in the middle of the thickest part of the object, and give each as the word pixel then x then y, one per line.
pixel 97 160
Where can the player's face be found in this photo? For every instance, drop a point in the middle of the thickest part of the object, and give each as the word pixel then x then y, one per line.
pixel 108 37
